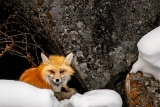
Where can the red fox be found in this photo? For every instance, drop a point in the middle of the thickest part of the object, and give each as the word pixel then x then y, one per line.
pixel 53 73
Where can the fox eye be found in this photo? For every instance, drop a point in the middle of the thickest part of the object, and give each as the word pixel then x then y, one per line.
pixel 61 71
pixel 52 71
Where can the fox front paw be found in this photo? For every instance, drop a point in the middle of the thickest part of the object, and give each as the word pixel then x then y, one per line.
pixel 64 95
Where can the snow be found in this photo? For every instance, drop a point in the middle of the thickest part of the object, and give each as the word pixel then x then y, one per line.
pixel 95 98
pixel 65 103
pixel 20 94
pixel 149 55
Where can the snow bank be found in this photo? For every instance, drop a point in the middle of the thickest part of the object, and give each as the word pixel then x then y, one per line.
pixel 94 98
pixel 149 55
pixel 20 94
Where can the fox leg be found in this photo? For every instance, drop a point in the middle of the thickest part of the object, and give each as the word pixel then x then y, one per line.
pixel 69 90
pixel 65 95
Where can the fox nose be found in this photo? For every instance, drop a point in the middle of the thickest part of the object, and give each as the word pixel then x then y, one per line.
pixel 57 80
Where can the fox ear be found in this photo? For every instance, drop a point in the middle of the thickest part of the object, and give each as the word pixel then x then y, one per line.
pixel 69 58
pixel 45 60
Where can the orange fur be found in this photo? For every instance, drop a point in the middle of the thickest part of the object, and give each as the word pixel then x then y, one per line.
pixel 33 76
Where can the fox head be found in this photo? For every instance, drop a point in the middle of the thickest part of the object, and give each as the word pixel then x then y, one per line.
pixel 57 69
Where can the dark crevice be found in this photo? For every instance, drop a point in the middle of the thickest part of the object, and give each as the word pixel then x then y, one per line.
pixel 12 66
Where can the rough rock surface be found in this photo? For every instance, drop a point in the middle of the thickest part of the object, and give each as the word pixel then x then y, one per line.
pixel 103 34
pixel 141 91
pixel 153 87
pixel 136 91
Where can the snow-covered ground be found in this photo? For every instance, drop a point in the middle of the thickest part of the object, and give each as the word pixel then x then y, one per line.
pixel 97 98
pixel 20 94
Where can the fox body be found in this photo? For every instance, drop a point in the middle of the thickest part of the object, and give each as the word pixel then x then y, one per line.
pixel 53 73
